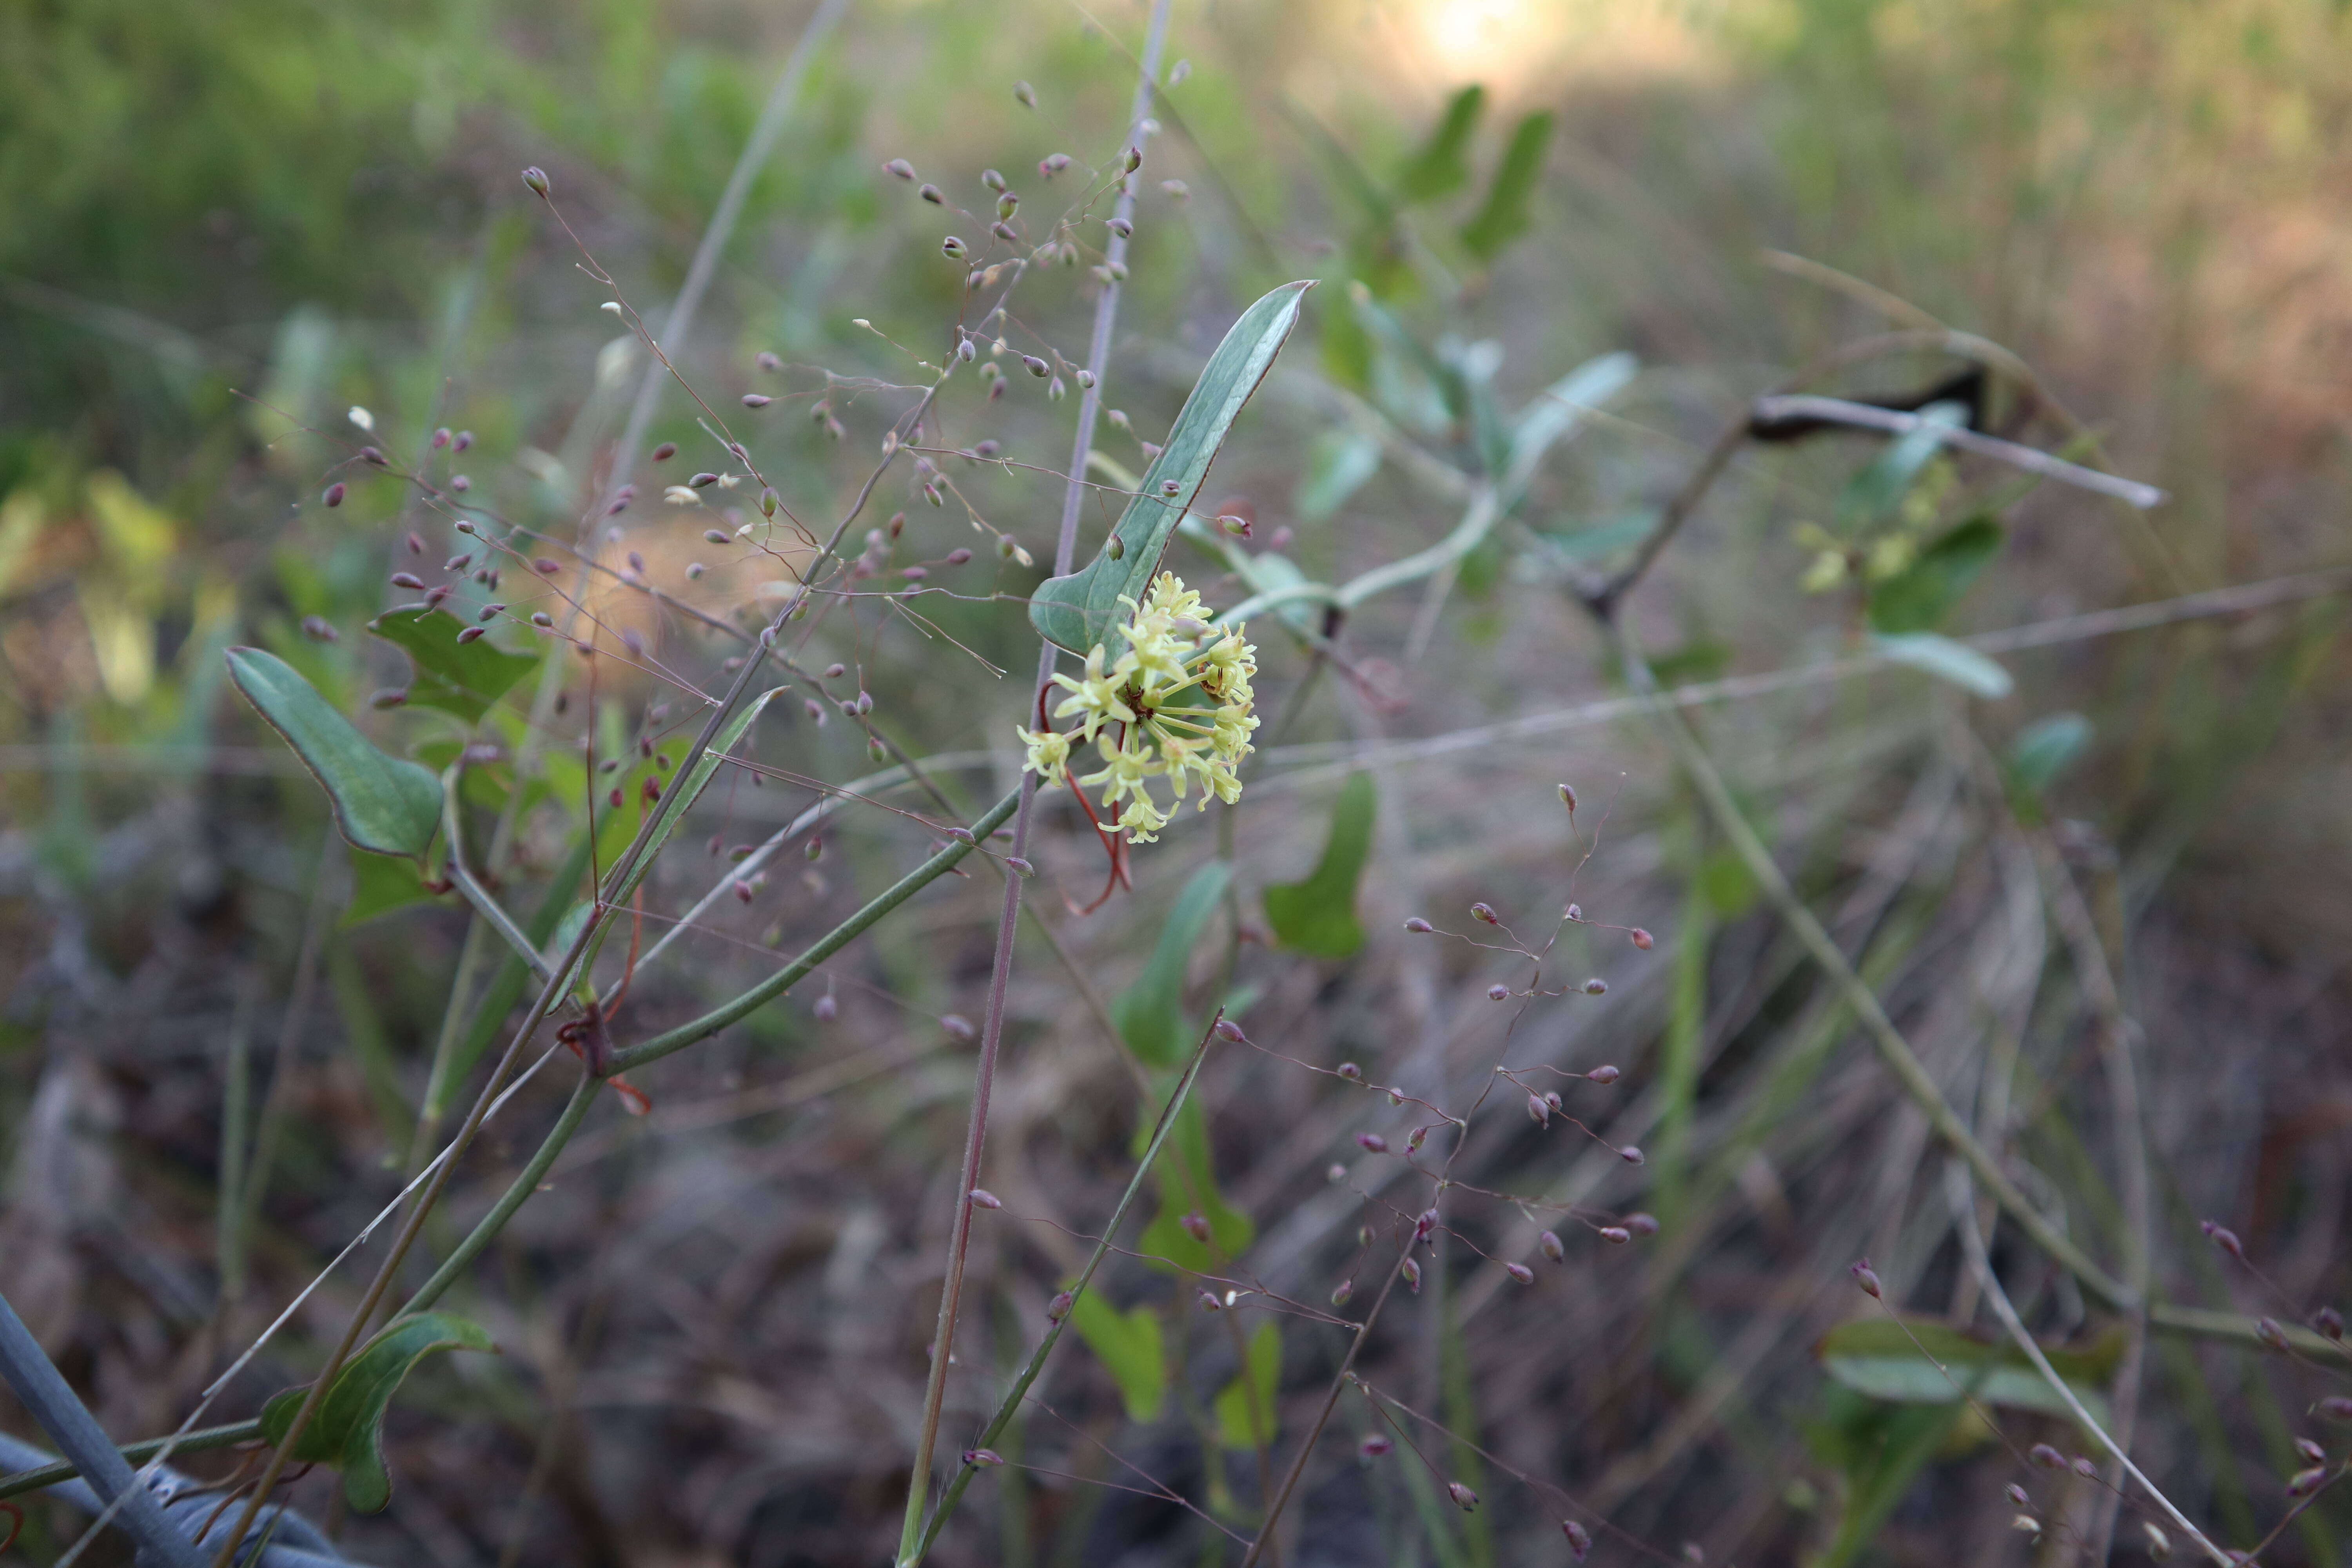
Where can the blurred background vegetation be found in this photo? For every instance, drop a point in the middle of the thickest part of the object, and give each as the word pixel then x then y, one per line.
pixel 222 227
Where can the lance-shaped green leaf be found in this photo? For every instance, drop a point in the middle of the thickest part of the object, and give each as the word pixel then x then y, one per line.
pixel 1439 167
pixel 1317 916
pixel 1245 1407
pixel 382 804
pixel 348 1430
pixel 1150 1013
pixel 1504 217
pixel 1945 660
pixel 1077 612
pixel 1890 1361
pixel 2045 749
pixel 1128 1344
pixel 378 886
pixel 457 678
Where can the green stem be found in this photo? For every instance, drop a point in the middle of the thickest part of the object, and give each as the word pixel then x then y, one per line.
pixel 833 942
pixel 1010 1404
pixel 575 1110
pixel 203 1437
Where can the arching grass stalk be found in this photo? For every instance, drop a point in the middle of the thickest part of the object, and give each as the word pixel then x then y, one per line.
pixel 1009 1406
pixel 1009 920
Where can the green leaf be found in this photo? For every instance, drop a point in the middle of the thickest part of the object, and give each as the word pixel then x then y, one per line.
pixel 347 1432
pixel 1876 1356
pixel 1317 916
pixel 1504 217
pixel 1337 464
pixel 1188 1185
pixel 1150 1013
pixel 1945 660
pixel 1872 494
pixel 380 886
pixel 1077 612
pixel 1555 413
pixel 463 678
pixel 382 804
pixel 1917 598
pixel 1245 1407
pixel 1439 168
pixel 2046 748
pixel 1128 1344
pixel 506 988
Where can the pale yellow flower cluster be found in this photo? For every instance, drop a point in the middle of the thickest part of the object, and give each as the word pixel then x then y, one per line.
pixel 1175 704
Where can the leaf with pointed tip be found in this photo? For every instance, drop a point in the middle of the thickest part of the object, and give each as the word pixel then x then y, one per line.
pixel 1318 915
pixel 1150 1013
pixel 1945 660
pixel 383 803
pixel 1077 612
pixel 1504 217
pixel 457 678
pixel 347 1430
pixel 1439 168
pixel 1896 1361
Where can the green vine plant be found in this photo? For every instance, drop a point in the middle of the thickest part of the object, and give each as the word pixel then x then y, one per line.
pixel 1142 683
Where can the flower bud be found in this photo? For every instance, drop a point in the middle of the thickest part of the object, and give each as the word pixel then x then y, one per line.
pixel 954 249
pixel 536 178
pixel 1350 1071
pixel 542 619
pixel 1549 1244
pixel 2085 1468
pixel 2330 1322
pixel 2312 1452
pixel 932 195
pixel 827 1008
pixel 1520 1272
pixel 1568 798
pixel 1373 1142
pixel 1596 986
pixel 1642 1224
pixel 713 536
pixel 1573 912
pixel 471 633
pixel 1230 1031
pixel 2224 1238
pixel 2306 1482
pixel 460 483
pixel 1643 939
pixel 1485 913
pixel 1133 161
pixel 1616 1234
pixel 407 580
pixel 1037 366
pixel 1867 1278
pixel 1211 1302
pixel 2267 1329
pixel 335 496
pixel 461 440
pixel 1340 1292
pixel 1020 866
pixel 756 400
pixel 1604 1075
pixel 666 451
pixel 982 1458
pixel 901 167
pixel 1538 1111
pixel 703 481
pixel 1498 993
pixel 1464 1497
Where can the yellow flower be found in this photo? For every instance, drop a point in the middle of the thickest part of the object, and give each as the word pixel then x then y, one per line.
pixel 1049 754
pixel 1097 697
pixel 1137 715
